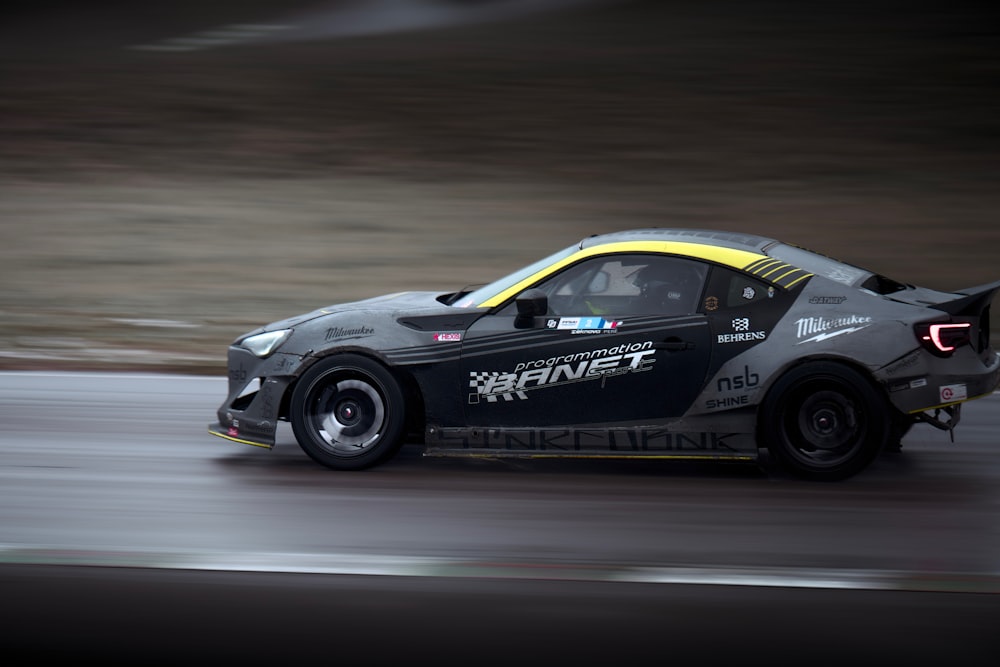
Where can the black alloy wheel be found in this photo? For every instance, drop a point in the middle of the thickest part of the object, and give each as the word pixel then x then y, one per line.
pixel 824 421
pixel 347 412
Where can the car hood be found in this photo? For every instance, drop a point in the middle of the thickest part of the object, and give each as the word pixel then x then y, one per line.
pixel 400 301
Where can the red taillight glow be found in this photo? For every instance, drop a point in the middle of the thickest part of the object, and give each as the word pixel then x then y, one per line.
pixel 942 339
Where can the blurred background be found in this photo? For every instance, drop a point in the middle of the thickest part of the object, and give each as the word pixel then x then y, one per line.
pixel 174 174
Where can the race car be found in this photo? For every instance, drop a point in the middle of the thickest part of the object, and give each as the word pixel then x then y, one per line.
pixel 650 343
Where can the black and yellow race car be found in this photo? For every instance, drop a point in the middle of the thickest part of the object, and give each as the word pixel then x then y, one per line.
pixel 663 343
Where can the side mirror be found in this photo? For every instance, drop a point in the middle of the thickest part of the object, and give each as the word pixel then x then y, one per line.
pixel 531 303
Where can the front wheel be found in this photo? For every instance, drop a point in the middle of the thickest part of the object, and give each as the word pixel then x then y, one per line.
pixel 347 412
pixel 824 421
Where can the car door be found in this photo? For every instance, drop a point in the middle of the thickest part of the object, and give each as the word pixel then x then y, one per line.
pixel 620 342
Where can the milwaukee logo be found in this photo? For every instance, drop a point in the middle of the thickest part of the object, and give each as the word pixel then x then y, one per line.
pixel 341 332
pixel 821 328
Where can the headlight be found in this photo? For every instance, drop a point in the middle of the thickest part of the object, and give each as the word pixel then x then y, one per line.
pixel 262 345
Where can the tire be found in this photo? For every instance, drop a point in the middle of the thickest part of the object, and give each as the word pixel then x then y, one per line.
pixel 824 421
pixel 347 412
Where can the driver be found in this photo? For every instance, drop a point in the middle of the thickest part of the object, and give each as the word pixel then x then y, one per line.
pixel 668 288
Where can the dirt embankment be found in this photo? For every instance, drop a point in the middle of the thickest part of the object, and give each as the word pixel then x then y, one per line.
pixel 155 205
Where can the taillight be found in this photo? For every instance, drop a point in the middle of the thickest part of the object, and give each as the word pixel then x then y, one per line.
pixel 943 338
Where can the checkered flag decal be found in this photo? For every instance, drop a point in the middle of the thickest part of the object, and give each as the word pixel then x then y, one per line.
pixel 493 386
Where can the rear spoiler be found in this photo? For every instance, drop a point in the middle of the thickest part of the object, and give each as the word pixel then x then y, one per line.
pixel 972 301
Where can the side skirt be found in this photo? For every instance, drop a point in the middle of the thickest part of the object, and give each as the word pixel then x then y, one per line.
pixel 616 443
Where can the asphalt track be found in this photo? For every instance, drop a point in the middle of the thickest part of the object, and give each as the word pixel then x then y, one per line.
pixel 129 533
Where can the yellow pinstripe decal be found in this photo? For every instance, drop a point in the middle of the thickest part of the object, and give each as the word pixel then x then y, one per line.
pixel 239 440
pixel 757 267
pixel 786 274
pixel 738 259
pixel 660 457
pixel 944 405
pixel 777 268
pixel 797 280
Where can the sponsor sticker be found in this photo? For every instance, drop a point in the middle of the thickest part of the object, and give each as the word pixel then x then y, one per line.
pixel 741 382
pixel 585 325
pixel 749 293
pixel 448 337
pixel 336 333
pixel 953 392
pixel 742 332
pixel 725 402
pixel 903 364
pixel 744 380
pixel 711 303
pixel 821 328
pixel 912 384
pixel 491 386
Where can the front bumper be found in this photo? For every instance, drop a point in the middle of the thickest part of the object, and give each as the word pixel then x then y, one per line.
pixel 233 433
pixel 257 387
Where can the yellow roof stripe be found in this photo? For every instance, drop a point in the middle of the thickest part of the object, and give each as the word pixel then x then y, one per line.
pixel 784 275
pixel 779 267
pixel 738 259
pixel 762 264
pixel 797 280
pixel 790 271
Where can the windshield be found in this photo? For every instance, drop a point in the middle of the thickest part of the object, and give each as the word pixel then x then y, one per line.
pixel 482 294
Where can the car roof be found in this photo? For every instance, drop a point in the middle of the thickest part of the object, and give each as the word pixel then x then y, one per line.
pixel 745 252
pixel 750 242
pixel 742 252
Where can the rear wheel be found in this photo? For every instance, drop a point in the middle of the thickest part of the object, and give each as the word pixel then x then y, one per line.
pixel 824 421
pixel 347 412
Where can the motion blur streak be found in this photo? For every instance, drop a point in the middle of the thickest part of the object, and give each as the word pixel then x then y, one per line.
pixel 373 17
pixel 367 17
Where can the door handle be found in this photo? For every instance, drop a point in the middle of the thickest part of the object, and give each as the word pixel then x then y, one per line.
pixel 674 345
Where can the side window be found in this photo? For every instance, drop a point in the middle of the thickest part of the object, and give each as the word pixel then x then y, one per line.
pixel 626 285
pixel 730 289
pixel 595 287
pixel 669 286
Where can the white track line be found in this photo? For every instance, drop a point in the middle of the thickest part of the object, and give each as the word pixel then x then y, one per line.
pixel 429 567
